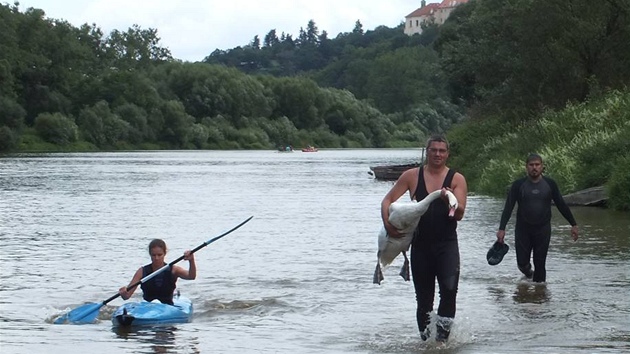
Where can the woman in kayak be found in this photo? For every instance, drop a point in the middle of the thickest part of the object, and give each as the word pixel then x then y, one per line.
pixel 162 286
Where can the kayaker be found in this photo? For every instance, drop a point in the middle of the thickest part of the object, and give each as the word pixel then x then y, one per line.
pixel 162 286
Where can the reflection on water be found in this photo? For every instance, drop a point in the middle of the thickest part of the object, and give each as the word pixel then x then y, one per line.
pixel 531 293
pixel 158 339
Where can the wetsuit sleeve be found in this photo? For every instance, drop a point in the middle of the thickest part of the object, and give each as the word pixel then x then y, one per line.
pixel 560 203
pixel 510 201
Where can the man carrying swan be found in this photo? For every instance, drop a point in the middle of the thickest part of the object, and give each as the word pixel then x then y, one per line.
pixel 434 249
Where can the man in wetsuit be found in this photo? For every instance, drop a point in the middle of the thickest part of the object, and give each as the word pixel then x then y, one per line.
pixel 533 194
pixel 434 249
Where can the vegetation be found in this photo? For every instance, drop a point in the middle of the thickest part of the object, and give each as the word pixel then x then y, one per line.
pixel 556 85
pixel 66 87
pixel 500 79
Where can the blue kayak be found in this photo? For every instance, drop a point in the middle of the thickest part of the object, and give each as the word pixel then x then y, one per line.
pixel 145 313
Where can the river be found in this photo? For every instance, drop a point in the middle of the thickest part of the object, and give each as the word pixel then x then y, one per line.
pixel 298 277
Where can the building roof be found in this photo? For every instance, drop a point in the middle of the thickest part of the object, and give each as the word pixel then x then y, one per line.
pixel 451 3
pixel 426 11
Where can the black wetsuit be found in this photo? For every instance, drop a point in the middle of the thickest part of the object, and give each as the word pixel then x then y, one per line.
pixel 435 253
pixel 160 287
pixel 533 221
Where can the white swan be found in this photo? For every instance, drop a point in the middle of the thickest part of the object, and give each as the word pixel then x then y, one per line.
pixel 405 216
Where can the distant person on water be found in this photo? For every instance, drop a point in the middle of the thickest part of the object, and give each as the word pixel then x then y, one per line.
pixel 162 286
pixel 434 249
pixel 532 232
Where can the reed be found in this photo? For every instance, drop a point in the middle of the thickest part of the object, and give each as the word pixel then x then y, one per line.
pixel 582 146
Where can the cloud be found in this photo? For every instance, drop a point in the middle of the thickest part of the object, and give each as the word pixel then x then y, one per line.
pixel 192 29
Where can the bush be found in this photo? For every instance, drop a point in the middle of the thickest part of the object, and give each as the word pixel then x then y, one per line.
pixel 596 164
pixel 8 139
pixel 618 187
pixel 11 114
pixel 56 128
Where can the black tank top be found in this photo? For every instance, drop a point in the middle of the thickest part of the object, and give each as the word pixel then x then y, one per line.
pixel 435 225
pixel 160 287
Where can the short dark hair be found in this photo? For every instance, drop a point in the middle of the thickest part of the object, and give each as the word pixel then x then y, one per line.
pixel 533 157
pixel 437 138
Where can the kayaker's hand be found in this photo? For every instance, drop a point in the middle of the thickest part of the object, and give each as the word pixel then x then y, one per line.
pixel 189 256
pixel 124 293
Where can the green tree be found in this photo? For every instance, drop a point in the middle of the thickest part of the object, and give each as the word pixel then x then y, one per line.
pixel 11 113
pixel 405 77
pixel 506 57
pixel 271 39
pixel 137 48
pixel 8 139
pixel 358 28
pixel 100 126
pixel 56 128
pixel 177 124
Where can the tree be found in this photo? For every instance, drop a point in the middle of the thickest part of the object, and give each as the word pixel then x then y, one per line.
pixel 255 43
pixel 506 57
pixel 56 128
pixel 312 33
pixel 177 124
pixel 11 113
pixel 136 47
pixel 100 126
pixel 358 28
pixel 271 39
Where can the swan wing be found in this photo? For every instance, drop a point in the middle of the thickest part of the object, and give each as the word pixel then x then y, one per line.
pixel 390 247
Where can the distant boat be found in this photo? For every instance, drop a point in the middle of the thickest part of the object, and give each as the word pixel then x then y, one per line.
pixel 287 148
pixel 390 172
pixel 309 149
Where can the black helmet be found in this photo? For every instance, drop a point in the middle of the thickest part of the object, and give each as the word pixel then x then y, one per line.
pixel 496 253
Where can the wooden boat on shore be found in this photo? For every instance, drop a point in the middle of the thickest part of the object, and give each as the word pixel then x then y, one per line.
pixel 595 196
pixel 390 172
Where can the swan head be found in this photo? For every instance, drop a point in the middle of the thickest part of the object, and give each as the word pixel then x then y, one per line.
pixel 452 203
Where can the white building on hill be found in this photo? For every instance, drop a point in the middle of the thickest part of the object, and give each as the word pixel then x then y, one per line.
pixel 429 13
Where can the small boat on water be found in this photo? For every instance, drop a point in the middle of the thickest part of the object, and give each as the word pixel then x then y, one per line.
pixel 309 149
pixel 144 313
pixel 390 172
pixel 287 148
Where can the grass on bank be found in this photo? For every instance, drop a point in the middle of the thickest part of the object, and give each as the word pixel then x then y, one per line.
pixel 585 145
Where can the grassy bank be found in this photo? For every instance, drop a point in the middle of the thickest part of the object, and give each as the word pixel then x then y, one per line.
pixel 584 145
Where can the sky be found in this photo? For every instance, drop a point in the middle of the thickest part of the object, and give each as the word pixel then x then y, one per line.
pixel 192 29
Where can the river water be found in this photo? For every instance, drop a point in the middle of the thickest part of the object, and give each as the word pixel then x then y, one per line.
pixel 298 277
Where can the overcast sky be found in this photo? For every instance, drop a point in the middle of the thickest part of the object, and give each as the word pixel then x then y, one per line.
pixel 192 29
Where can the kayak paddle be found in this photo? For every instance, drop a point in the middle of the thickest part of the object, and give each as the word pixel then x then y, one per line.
pixel 87 313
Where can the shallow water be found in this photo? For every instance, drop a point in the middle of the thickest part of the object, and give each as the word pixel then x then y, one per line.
pixel 297 277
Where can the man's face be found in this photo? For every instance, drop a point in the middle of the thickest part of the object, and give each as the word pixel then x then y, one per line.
pixel 437 153
pixel 534 168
